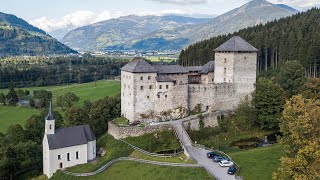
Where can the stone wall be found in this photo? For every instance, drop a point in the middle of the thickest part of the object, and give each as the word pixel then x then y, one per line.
pixel 209 120
pixel 133 131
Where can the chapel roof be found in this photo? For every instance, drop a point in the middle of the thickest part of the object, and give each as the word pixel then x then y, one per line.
pixel 70 136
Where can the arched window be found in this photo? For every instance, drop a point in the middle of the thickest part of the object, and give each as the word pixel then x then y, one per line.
pixel 61 166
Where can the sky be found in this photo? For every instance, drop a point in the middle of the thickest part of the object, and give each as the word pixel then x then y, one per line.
pixel 51 15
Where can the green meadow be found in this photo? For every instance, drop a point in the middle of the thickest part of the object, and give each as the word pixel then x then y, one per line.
pixel 87 91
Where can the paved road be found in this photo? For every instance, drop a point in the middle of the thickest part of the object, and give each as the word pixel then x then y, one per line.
pixel 199 154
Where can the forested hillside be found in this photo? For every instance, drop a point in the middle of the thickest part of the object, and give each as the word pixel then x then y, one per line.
pixel 18 37
pixel 292 38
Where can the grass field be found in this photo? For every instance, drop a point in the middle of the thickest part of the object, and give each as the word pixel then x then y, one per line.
pixel 126 170
pixel 258 163
pixel 91 91
pixel 14 115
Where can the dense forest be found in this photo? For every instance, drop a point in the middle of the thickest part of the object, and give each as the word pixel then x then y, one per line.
pixel 292 38
pixel 46 71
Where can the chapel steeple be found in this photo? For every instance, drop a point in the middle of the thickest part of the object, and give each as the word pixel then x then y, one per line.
pixel 50 121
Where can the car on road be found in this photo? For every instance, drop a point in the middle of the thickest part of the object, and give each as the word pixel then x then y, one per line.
pixel 212 155
pixel 219 158
pixel 232 170
pixel 226 163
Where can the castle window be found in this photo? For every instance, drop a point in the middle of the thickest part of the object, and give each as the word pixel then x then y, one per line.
pixel 225 70
pixel 59 157
pixel 68 156
pixel 141 78
pixel 225 60
pixel 149 77
pixel 158 96
pixel 167 86
pixel 141 87
pixel 160 87
pixel 61 166
pixel 77 154
pixel 148 97
pixel 245 58
pixel 50 126
pixel 150 87
pixel 166 96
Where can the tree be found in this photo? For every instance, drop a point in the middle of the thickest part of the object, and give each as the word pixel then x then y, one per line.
pixel 21 93
pixel 77 116
pixel 311 89
pixel 32 103
pixel 15 133
pixel 2 99
pixel 87 104
pixel 42 98
pixel 69 98
pixel 292 77
pixel 268 100
pixel 12 97
pixel 245 116
pixel 301 132
pixel 102 111
pixel 9 163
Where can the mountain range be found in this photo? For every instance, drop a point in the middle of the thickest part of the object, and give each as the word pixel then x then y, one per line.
pixel 171 32
pixel 18 37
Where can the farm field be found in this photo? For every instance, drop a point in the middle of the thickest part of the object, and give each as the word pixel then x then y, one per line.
pixel 88 91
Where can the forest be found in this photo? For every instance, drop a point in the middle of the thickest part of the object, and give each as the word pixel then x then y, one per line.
pixel 48 71
pixel 292 38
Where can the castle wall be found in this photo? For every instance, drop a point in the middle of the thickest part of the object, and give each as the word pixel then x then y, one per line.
pixel 211 96
pixel 133 131
pixel 224 67
pixel 127 95
pixel 245 73
pixel 208 120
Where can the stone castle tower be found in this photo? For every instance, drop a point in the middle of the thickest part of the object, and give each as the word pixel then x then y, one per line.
pixel 164 92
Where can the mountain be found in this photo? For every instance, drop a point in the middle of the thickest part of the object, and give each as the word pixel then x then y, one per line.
pixel 171 32
pixel 18 37
pixel 120 31
pixel 288 8
pixel 293 38
pixel 253 13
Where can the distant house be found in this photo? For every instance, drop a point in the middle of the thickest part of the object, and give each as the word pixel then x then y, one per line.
pixel 66 147
pixel 23 103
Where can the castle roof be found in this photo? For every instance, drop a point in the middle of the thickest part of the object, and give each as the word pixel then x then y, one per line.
pixel 164 79
pixel 194 68
pixel 236 44
pixel 207 68
pixel 171 69
pixel 70 136
pixel 139 65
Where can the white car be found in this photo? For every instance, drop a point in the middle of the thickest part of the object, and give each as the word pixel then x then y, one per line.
pixel 226 163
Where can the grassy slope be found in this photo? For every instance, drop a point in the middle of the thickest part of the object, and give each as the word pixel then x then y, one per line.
pixel 92 91
pixel 179 159
pixel 135 171
pixel 258 163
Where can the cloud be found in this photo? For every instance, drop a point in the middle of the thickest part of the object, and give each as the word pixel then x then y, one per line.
pixel 183 2
pixel 82 18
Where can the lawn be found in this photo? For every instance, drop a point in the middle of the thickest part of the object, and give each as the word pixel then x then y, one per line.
pixel 127 170
pixel 91 91
pixel 258 163
pixel 14 115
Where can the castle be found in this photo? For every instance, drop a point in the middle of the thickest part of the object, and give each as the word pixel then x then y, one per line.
pixel 165 92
